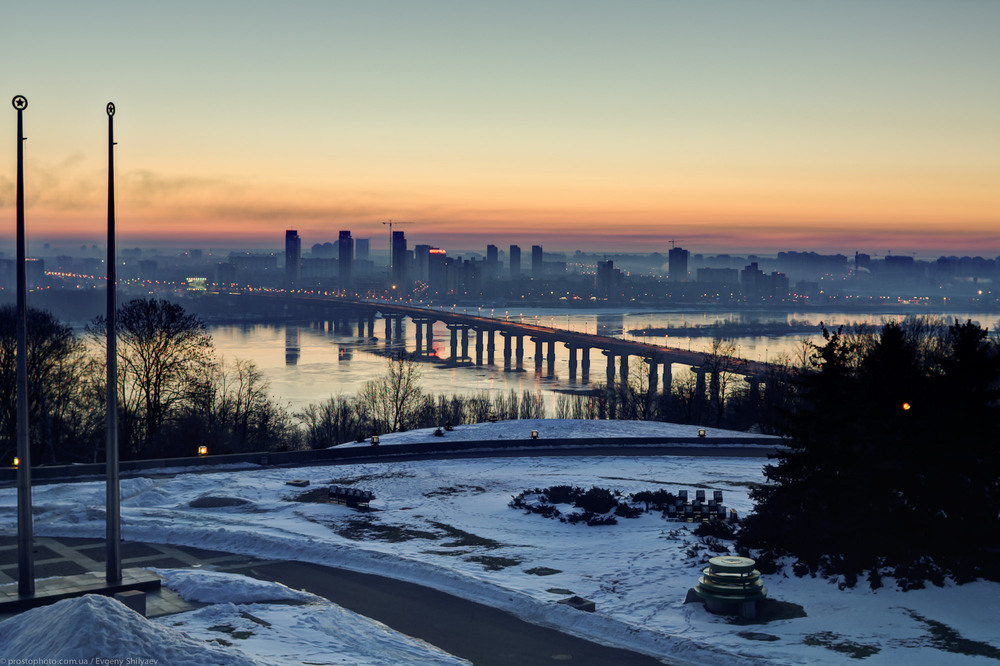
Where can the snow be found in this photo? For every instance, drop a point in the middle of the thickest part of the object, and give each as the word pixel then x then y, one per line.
pixel 447 524
pixel 563 429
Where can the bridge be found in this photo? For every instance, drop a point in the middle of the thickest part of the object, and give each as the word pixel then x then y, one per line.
pixel 341 313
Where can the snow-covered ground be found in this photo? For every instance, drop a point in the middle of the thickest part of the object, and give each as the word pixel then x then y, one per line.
pixel 241 627
pixel 447 524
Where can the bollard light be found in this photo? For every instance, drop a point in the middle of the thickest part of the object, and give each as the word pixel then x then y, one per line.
pixel 202 450
pixel 17 461
pixel 701 432
pixel 534 434
pixel 374 440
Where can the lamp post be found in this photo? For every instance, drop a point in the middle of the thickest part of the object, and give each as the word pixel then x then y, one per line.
pixel 25 536
pixel 113 508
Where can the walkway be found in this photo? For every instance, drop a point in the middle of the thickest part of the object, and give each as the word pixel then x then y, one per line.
pixel 482 634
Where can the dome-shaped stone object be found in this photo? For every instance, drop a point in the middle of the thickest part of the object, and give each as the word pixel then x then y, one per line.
pixel 731 584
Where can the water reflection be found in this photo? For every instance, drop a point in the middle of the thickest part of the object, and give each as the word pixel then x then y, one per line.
pixel 291 345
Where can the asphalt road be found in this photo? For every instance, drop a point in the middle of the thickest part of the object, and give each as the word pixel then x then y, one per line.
pixel 482 634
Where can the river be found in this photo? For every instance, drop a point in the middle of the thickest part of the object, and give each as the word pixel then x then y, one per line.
pixel 304 364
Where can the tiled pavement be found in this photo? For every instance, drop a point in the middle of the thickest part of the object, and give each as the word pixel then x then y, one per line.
pixel 73 557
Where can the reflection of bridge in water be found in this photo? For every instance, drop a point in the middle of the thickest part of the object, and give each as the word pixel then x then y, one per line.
pixel 479 335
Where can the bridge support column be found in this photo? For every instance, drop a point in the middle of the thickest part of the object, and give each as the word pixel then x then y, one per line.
pixel 538 354
pixel 754 383
pixel 519 350
pixel 572 364
pixel 371 324
pixel 651 388
pixel 699 392
pixel 610 369
pixel 507 351
pixel 361 324
pixel 454 343
pixel 479 346
pixel 388 328
pixel 465 342
pixel 714 389
pixel 551 358
pixel 627 409
pixel 420 337
pixel 491 345
pixel 585 364
pixel 399 327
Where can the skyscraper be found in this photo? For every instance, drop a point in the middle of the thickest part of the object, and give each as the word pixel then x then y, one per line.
pixel 293 258
pixel 361 248
pixel 678 265
pixel 515 262
pixel 492 262
pixel 345 252
pixel 536 261
pixel 398 258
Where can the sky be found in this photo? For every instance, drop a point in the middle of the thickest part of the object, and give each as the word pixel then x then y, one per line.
pixel 725 126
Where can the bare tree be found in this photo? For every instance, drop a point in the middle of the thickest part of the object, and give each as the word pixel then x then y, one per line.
pixel 721 363
pixel 165 357
pixel 393 398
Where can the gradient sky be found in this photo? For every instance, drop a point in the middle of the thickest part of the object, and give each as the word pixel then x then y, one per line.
pixel 743 126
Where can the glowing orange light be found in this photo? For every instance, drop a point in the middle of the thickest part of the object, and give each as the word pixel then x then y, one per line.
pixel 906 406
pixel 17 461
pixel 202 450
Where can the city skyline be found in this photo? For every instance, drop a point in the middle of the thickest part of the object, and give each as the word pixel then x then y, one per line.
pixel 730 127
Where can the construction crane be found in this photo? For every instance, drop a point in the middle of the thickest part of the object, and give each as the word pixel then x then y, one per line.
pixel 673 243
pixel 392 259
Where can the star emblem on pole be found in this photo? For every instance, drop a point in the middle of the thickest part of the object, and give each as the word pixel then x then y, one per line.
pixel 111 109
pixel 20 102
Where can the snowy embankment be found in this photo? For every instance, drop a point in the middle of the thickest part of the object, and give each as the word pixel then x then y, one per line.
pixel 447 524
pixel 241 627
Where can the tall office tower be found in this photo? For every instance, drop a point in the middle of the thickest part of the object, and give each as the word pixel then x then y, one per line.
pixel 536 261
pixel 361 246
pixel 398 257
pixel 345 255
pixel 678 265
pixel 293 258
pixel 421 254
pixel 492 262
pixel 515 262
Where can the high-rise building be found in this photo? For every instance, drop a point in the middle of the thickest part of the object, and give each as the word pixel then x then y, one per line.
pixel 361 246
pixel 537 263
pixel 345 252
pixel 492 262
pixel 398 258
pixel 515 262
pixel 678 265
pixel 293 258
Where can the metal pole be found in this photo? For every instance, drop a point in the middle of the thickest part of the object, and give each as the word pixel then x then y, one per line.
pixel 25 536
pixel 113 509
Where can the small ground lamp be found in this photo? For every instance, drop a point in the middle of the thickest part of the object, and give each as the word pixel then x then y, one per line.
pixel 534 434
pixel 17 461
pixel 203 450
pixel 374 440
pixel 701 432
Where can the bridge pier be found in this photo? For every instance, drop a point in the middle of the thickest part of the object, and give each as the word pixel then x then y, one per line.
pixel 491 345
pixel 479 346
pixel 519 351
pixel 754 383
pixel 388 328
pixel 714 390
pixel 465 342
pixel 371 324
pixel 539 356
pixel 610 369
pixel 551 358
pixel 419 334
pixel 585 364
pixel 507 351
pixel 653 381
pixel 572 364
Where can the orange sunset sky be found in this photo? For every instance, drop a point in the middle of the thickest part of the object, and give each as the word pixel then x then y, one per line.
pixel 730 126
